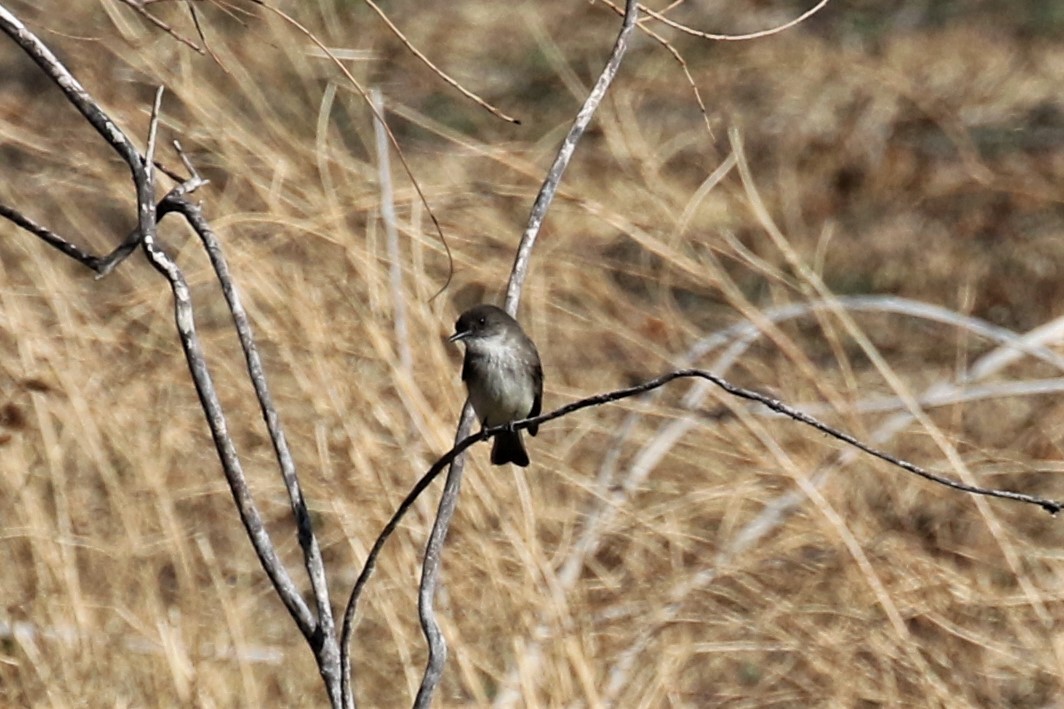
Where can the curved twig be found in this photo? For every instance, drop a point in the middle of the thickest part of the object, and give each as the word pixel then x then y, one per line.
pixel 451 456
pixel 610 493
pixel 391 136
pixel 1051 506
pixel 737 37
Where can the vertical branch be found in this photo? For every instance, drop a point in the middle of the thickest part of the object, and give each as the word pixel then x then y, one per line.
pixel 565 154
pixel 249 514
pixel 430 569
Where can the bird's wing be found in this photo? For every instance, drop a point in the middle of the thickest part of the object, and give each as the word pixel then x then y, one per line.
pixel 537 402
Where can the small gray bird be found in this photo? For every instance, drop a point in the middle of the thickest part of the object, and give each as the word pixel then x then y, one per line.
pixel 503 376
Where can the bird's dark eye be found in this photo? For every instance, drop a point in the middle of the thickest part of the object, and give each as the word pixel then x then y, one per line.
pixel 481 320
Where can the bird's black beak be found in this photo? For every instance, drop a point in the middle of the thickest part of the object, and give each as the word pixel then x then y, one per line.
pixel 458 336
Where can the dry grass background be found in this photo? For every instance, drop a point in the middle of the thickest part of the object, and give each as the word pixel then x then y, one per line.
pixel 915 149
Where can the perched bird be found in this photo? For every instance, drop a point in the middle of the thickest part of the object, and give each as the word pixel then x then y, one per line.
pixel 502 373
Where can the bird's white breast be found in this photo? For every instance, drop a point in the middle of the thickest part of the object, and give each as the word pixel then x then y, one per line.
pixel 505 392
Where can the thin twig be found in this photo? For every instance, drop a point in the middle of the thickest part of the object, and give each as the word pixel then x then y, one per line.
pixel 203 37
pixel 50 237
pixel 153 133
pixel 139 8
pixel 391 136
pixel 438 71
pixel 103 265
pixel 1049 505
pixel 462 443
pixel 565 154
pixel 84 103
pixel 678 58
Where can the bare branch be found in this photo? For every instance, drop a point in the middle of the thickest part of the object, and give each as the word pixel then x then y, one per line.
pixel 80 98
pixel 565 154
pixel 462 443
pixel 104 265
pixel 203 36
pixel 321 635
pixel 319 632
pixel 153 133
pixel 1051 506
pixel 50 237
pixel 234 473
pixel 431 564
pixel 430 570
pixel 75 92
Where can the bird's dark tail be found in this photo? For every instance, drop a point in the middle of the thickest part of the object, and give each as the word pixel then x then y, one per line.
pixel 508 448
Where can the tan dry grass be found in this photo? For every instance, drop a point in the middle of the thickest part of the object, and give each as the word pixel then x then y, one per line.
pixel 912 160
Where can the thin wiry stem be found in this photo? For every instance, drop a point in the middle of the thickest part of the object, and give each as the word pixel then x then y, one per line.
pixel 139 8
pixel 391 136
pixel 444 76
pixel 50 237
pixel 1051 506
pixel 775 512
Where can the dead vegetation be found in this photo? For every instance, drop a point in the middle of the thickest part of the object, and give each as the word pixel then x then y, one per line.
pixel 915 153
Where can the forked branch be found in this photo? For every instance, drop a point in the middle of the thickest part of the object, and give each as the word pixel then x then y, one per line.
pixel 316 626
